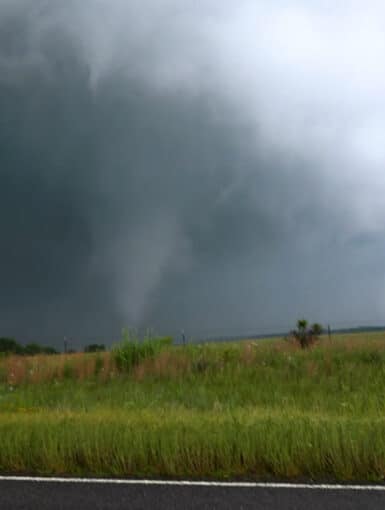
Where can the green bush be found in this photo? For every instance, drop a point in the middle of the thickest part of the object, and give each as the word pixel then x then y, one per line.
pixel 32 349
pixel 131 350
pixel 95 348
pixel 306 336
pixel 10 346
pixel 49 350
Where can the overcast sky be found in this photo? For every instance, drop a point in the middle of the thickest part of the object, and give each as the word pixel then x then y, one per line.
pixel 215 166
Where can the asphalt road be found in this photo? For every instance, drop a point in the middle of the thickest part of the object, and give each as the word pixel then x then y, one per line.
pixel 18 495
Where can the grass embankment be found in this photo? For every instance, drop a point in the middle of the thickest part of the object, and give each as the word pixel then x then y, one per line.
pixel 256 410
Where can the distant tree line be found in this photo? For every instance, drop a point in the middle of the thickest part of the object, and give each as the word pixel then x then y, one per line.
pixel 10 346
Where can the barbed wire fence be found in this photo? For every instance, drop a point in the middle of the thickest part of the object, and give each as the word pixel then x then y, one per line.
pixel 184 335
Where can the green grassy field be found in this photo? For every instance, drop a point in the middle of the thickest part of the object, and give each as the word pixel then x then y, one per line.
pixel 258 410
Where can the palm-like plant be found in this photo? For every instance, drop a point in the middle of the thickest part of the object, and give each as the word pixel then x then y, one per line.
pixel 306 336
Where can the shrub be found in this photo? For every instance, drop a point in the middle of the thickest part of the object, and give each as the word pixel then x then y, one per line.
pixel 95 348
pixel 49 350
pixel 33 348
pixel 131 350
pixel 304 335
pixel 10 346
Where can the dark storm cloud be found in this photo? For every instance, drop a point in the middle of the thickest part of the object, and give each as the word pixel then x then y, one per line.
pixel 214 168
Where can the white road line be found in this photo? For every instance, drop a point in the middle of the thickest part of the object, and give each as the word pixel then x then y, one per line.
pixel 193 483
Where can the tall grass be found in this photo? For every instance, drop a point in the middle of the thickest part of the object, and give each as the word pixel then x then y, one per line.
pixel 249 409
pixel 43 368
pixel 131 350
pixel 183 443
